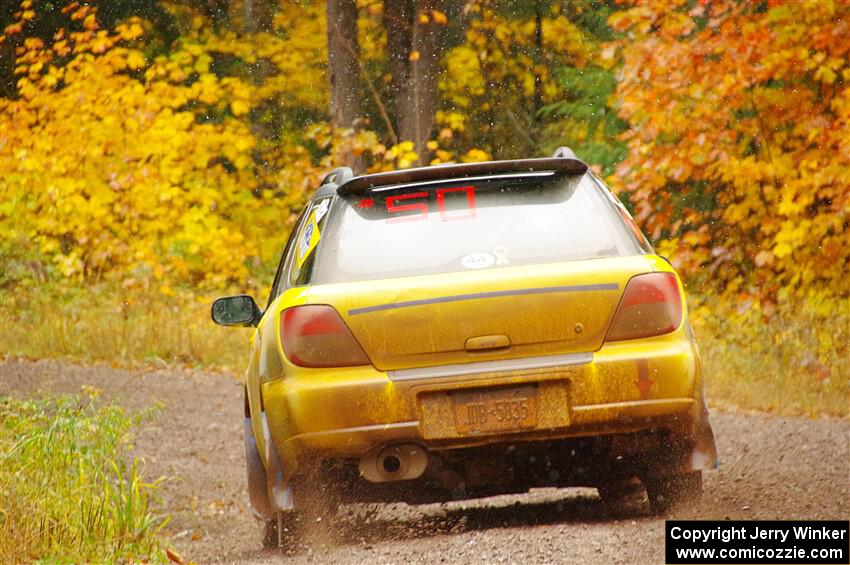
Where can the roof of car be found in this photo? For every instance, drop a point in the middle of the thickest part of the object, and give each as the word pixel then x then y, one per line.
pixel 343 182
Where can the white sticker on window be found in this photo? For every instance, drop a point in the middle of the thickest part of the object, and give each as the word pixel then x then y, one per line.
pixel 478 261
pixel 322 209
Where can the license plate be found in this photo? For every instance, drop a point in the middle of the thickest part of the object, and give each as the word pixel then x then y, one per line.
pixel 495 410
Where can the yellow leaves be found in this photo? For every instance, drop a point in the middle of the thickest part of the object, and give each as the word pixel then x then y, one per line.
pixel 414 55
pixel 146 187
pixel 791 236
pixel 33 44
pixel 782 249
pixel 827 72
pixel 239 107
pixel 90 22
pixel 475 155
pixel 206 89
pixel 403 154
pixel 435 16
pixel 135 59
pixel 244 143
pixel 696 238
pixel 101 43
pixel 453 120
pixel 130 30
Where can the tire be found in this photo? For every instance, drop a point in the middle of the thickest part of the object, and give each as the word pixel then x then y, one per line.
pixel 667 492
pixel 621 495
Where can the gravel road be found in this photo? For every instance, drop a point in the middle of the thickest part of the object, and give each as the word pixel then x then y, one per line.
pixel 771 468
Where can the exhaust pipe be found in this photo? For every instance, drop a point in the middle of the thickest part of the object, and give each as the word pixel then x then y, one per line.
pixel 400 462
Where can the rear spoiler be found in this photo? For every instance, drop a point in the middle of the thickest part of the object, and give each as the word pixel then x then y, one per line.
pixel 563 161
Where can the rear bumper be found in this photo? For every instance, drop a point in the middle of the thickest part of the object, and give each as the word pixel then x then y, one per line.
pixel 626 387
pixel 621 417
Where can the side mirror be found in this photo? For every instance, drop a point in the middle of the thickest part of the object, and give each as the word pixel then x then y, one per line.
pixel 240 310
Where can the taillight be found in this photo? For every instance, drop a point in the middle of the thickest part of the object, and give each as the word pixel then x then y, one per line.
pixel 315 336
pixel 651 305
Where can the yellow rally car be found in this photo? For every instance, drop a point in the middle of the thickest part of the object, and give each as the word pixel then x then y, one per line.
pixel 467 330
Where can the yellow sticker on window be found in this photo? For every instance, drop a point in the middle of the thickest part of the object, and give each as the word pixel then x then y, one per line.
pixel 309 239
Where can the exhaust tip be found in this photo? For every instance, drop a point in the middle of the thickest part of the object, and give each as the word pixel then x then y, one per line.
pixel 391 464
pixel 394 463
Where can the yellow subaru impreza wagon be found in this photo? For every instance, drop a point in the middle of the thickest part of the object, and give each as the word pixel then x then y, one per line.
pixel 467 330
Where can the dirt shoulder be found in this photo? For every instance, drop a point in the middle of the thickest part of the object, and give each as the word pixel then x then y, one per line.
pixel 771 468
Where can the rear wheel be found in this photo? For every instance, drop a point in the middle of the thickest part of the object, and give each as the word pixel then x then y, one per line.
pixel 621 495
pixel 669 491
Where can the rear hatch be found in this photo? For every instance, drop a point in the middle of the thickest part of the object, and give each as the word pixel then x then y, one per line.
pixel 476 269
pixel 478 316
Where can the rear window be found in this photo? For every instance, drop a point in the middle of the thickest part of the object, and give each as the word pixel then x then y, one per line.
pixel 467 225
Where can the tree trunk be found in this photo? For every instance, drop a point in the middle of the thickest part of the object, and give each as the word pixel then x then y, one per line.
pixel 538 58
pixel 398 22
pixel 343 69
pixel 414 48
pixel 258 15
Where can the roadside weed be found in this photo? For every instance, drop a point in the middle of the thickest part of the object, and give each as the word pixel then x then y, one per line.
pixel 118 326
pixel 791 359
pixel 66 493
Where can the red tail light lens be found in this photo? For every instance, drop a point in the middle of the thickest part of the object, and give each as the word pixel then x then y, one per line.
pixel 316 336
pixel 651 305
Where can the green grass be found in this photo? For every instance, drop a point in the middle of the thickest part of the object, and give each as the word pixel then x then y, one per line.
pixel 67 492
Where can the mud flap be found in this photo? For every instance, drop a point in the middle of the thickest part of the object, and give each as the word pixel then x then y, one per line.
pixel 257 482
pixel 279 492
pixel 690 449
pixel 704 453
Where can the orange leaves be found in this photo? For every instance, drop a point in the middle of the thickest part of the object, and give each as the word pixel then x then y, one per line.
pixel 741 126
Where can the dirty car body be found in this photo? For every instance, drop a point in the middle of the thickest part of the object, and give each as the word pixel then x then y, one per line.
pixel 467 330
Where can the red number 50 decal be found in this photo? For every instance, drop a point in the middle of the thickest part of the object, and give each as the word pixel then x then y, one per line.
pixel 470 203
pixel 422 208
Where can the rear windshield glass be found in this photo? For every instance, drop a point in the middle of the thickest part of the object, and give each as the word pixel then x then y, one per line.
pixel 467 225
